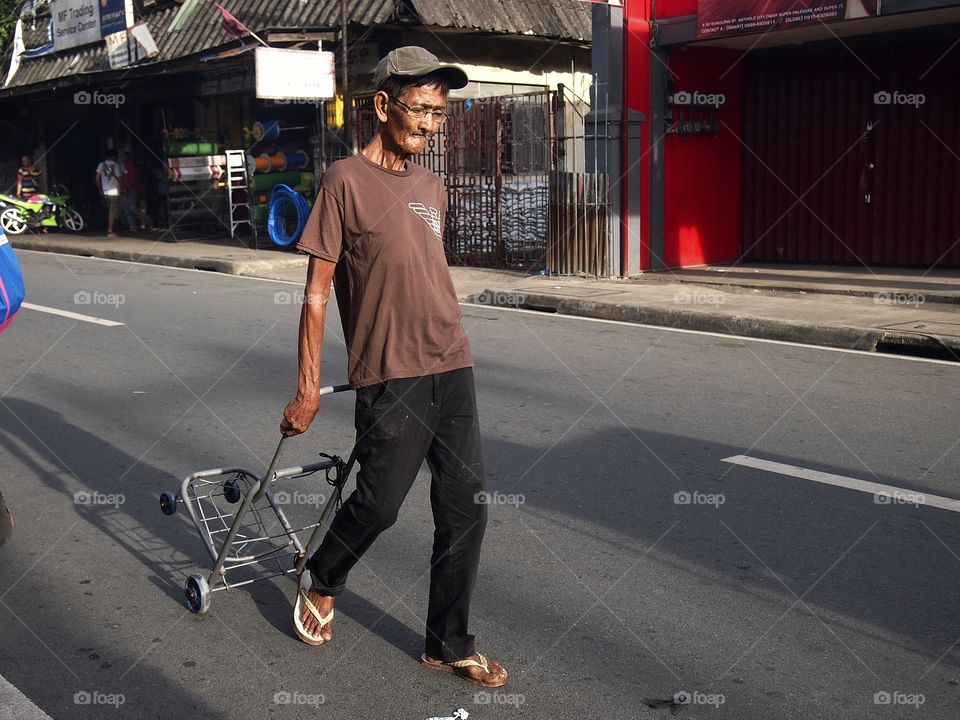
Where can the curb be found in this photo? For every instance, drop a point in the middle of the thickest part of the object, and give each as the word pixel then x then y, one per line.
pixel 213 264
pixel 782 288
pixel 836 336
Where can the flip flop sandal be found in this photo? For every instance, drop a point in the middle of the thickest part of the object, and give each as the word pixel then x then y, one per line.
pixel 458 668
pixel 303 600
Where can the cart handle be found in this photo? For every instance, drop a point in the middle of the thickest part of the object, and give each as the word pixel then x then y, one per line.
pixel 271 473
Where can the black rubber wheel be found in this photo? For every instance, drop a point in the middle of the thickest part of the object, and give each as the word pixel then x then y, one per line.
pixel 197 593
pixel 231 491
pixel 168 503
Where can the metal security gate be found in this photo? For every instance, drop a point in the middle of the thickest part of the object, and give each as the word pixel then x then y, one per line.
pixel 500 151
pixel 851 152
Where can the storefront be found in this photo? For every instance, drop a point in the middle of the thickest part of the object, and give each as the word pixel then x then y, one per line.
pixel 794 132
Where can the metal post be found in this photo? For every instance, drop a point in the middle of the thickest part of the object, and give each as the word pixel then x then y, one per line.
pixel 347 110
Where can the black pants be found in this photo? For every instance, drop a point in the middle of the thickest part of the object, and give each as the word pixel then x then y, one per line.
pixel 399 424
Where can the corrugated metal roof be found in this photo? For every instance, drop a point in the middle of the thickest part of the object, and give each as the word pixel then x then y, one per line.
pixel 563 19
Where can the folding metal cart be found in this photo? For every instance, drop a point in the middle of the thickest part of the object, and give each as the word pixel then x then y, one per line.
pixel 238 536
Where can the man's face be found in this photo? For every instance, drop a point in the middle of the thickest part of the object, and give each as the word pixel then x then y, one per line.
pixel 27 162
pixel 410 134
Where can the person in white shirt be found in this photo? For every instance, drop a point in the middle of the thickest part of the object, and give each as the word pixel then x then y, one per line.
pixel 108 183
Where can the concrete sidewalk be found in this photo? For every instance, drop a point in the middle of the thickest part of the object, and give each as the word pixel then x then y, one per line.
pixel 226 256
pixel 910 312
pixel 14 705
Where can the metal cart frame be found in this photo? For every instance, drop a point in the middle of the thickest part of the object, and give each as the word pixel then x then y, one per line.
pixel 244 541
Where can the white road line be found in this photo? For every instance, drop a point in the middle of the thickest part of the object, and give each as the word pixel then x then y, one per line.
pixel 71 315
pixel 887 494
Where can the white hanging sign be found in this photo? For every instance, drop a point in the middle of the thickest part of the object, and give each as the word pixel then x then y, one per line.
pixel 295 74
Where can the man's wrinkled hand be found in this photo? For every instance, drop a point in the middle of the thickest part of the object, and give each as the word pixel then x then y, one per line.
pixel 297 416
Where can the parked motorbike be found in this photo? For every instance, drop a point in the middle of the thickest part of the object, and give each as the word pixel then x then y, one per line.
pixel 50 210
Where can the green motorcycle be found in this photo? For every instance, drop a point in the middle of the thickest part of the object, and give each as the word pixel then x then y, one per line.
pixel 17 215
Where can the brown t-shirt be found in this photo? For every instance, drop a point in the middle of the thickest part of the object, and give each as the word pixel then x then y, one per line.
pixel 397 303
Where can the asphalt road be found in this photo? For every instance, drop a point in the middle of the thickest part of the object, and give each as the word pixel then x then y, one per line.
pixel 763 597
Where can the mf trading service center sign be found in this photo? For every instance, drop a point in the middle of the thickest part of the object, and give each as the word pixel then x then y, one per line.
pixel 79 22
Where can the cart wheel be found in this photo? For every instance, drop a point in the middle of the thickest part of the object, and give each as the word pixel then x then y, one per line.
pixel 198 594
pixel 168 503
pixel 231 491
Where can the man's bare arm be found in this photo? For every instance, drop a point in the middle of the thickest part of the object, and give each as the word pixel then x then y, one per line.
pixel 300 411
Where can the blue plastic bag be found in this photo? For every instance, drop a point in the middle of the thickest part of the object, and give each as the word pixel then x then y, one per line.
pixel 11 283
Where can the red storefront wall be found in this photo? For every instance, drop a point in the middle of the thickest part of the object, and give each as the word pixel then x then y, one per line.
pixel 701 213
pixel 702 172
pixel 789 178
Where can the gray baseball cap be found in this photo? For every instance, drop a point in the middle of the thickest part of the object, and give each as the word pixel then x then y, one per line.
pixel 413 61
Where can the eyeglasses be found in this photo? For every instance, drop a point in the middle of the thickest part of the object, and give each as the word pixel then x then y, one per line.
pixel 418 112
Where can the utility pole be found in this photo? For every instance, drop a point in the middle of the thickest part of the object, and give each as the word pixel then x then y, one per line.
pixel 344 83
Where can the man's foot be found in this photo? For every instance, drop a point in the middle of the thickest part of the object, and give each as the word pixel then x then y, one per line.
pixel 313 613
pixel 477 669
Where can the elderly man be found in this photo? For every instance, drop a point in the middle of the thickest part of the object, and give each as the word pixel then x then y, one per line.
pixel 376 231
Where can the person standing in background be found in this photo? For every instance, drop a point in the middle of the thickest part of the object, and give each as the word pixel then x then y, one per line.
pixel 132 187
pixel 29 178
pixel 108 185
